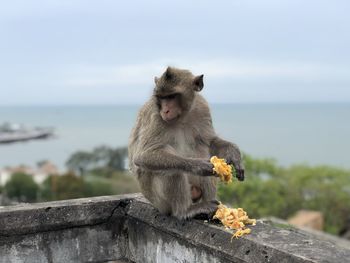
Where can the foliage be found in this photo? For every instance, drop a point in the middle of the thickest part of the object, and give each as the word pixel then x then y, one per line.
pixel 22 188
pixel 66 186
pixel 113 159
pixel 124 182
pixel 102 159
pixel 97 188
pixel 80 162
pixel 270 190
pixel 70 186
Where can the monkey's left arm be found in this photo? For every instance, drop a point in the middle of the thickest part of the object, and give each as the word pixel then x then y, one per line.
pixel 230 152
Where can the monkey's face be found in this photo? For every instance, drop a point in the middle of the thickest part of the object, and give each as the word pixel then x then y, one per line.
pixel 170 107
pixel 175 91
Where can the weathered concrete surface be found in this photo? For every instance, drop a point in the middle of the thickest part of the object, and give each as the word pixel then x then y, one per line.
pixel 319 235
pixel 33 218
pixel 128 228
pixel 80 230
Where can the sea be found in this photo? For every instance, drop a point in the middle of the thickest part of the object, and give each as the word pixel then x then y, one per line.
pixel 313 134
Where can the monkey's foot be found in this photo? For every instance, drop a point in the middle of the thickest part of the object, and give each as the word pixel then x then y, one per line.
pixel 210 211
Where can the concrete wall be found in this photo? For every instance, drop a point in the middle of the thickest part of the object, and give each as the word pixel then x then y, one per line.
pixel 128 228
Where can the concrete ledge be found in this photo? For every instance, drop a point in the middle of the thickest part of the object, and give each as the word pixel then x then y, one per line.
pixel 128 228
pixel 33 218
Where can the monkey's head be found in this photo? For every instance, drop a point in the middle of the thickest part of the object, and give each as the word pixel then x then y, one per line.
pixel 175 91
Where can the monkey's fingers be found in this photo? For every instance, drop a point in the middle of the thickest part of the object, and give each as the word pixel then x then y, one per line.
pixel 206 168
pixel 240 174
pixel 215 201
pixel 239 170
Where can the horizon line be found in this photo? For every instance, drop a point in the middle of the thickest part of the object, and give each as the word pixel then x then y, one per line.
pixel 140 104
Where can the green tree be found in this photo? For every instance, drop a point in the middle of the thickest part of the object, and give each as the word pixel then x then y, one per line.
pixel 116 161
pixel 80 162
pixel 322 188
pixel 69 186
pixel 22 188
pixel 109 158
pixel 101 160
pixel 270 190
pixel 60 187
pixel 97 188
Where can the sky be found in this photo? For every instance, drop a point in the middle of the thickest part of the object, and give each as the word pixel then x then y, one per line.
pixel 80 52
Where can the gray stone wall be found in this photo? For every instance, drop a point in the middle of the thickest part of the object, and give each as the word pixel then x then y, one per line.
pixel 127 228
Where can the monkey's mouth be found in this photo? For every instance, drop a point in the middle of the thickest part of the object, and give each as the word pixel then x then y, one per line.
pixel 171 120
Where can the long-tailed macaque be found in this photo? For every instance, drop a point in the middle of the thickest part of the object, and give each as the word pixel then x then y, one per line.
pixel 170 147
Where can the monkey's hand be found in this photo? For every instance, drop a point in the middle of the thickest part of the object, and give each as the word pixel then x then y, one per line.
pixel 238 167
pixel 232 155
pixel 239 172
pixel 203 167
pixel 230 152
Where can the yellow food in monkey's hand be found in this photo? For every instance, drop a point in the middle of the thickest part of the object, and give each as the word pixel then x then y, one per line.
pixel 222 169
pixel 234 218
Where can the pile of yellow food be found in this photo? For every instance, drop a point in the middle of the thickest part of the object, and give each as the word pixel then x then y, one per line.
pixel 222 169
pixel 231 218
pixel 234 218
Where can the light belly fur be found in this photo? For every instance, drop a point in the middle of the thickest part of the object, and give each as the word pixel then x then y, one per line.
pixel 185 145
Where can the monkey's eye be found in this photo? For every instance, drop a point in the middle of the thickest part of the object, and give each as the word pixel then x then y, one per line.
pixel 168 97
pixel 171 96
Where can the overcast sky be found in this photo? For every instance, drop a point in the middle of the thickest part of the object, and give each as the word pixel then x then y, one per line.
pixel 108 52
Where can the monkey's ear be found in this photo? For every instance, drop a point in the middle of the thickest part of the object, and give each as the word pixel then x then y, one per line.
pixel 198 83
pixel 156 79
pixel 168 73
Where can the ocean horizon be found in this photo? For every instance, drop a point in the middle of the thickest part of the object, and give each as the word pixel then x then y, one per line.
pixel 292 133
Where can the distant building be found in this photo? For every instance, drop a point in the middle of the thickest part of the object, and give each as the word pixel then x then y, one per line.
pixel 40 173
pixel 45 169
pixel 4 176
pixel 48 167
pixel 20 169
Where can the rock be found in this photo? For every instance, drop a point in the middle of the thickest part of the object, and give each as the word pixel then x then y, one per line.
pixel 309 219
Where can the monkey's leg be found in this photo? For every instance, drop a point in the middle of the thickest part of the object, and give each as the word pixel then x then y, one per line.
pixel 208 186
pixel 181 202
pixel 208 189
pixel 207 208
pixel 178 192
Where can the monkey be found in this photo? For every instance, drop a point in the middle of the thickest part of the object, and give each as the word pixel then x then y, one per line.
pixel 170 146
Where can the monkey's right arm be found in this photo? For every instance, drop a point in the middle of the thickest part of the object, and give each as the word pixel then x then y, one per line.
pixel 161 159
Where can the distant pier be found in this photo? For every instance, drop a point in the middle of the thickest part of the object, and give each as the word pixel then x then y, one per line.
pixel 10 133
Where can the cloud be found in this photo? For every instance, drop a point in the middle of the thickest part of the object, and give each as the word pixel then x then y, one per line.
pixel 143 73
pixel 227 81
pixel 129 74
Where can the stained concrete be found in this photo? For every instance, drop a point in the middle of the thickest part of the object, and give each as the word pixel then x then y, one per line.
pixel 127 228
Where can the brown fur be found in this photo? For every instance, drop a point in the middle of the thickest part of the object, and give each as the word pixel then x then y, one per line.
pixel 169 158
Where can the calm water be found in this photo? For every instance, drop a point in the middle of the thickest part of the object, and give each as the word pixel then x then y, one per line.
pixel 298 133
